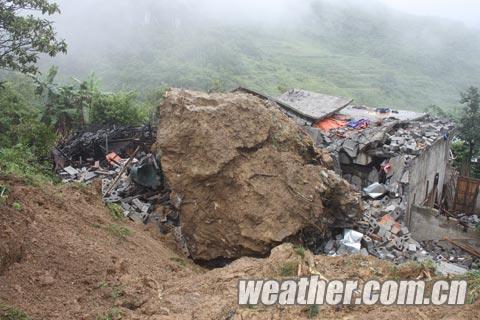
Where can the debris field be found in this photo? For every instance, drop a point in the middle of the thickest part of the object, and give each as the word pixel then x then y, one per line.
pixel 236 174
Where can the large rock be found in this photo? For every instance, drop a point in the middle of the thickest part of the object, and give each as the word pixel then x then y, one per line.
pixel 247 175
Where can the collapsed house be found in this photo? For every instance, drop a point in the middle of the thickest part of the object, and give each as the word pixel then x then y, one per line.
pixel 235 174
pixel 399 160
pixel 407 152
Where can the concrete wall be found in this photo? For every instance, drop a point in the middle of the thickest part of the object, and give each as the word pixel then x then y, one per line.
pixel 428 225
pixel 422 175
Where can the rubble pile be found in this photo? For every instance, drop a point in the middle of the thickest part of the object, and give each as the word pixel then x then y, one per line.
pixel 130 176
pixel 469 221
pixel 446 252
pixel 232 175
pixel 247 176
pixel 387 137
pixel 137 187
pixel 87 146
pixel 415 136
pixel 374 153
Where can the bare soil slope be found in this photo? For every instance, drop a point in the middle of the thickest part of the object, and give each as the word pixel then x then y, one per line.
pixel 62 256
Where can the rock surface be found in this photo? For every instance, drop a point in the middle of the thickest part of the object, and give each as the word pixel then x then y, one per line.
pixel 247 176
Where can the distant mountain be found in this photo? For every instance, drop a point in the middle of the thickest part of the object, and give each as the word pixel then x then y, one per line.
pixel 371 53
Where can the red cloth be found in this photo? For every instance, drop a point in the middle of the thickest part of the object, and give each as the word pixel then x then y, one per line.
pixel 329 124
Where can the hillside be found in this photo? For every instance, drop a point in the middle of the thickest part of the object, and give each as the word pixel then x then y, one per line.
pixel 371 53
pixel 62 256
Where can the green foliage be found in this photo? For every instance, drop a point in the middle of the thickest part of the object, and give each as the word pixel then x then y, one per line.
pixel 120 108
pixel 118 231
pixel 378 57
pixel 8 313
pixel 117 292
pixel 468 124
pixel 116 211
pixel 15 112
pixel 63 106
pixel 300 251
pixel 20 161
pixel 312 311
pixel 30 125
pixel 179 261
pixel 69 107
pixel 17 206
pixel 473 279
pixel 460 151
pixel 39 138
pixel 19 124
pixel 288 269
pixel 25 36
pixel 470 117
pixel 113 314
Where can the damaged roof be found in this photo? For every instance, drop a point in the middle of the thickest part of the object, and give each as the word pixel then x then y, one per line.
pixel 311 105
pixel 374 114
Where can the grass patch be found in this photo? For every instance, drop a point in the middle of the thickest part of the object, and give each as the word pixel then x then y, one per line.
pixel 116 211
pixel 300 251
pixel 21 162
pixel 394 272
pixel 117 292
pixel 80 186
pixel 312 311
pixel 288 269
pixel 17 206
pixel 429 265
pixel 9 313
pixel 113 314
pixel 118 231
pixel 473 279
pixel 179 261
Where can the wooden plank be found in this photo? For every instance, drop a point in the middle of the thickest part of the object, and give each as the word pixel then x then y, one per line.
pixel 466 194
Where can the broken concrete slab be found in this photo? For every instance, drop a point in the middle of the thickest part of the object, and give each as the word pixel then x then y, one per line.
pixel 446 268
pixel 363 159
pixel 71 171
pixel 350 147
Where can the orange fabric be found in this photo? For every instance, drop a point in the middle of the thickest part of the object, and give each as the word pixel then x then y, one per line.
pixel 113 158
pixel 329 124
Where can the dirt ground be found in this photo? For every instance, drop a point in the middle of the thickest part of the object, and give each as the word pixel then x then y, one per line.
pixel 64 256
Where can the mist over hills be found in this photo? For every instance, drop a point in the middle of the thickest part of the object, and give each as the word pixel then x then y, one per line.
pixel 366 51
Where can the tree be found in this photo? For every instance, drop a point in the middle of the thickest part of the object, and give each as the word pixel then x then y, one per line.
pixel 70 107
pixel 25 34
pixel 60 108
pixel 469 122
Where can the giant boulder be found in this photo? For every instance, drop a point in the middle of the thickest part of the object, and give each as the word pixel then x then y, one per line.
pixel 248 177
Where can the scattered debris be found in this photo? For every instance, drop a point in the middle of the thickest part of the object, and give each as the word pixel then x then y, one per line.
pixel 233 176
pixel 134 182
pixel 86 146
pixel 375 190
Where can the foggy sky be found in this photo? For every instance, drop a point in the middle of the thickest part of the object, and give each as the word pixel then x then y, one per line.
pixel 466 11
pixel 265 11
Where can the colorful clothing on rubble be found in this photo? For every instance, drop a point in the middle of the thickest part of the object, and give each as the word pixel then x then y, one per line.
pixel 359 124
pixel 330 123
